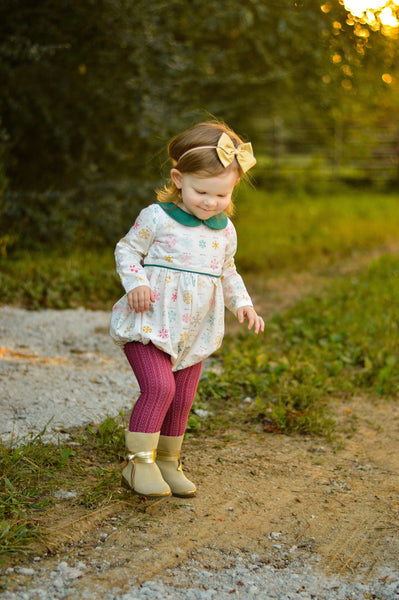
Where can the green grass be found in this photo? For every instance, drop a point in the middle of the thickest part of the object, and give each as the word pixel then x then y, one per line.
pixel 332 345
pixel 53 279
pixel 31 471
pixel 276 231
pixel 280 230
pixel 335 344
pixel 28 474
pixel 338 342
pixel 350 330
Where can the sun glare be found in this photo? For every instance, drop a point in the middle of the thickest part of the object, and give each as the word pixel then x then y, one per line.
pixel 359 7
pixel 371 10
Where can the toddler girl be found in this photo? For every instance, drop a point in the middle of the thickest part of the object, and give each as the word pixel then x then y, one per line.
pixel 177 267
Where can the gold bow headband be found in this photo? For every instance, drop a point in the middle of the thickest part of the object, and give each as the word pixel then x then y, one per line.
pixel 227 152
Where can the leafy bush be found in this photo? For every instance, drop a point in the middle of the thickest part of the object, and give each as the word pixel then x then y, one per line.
pixel 87 216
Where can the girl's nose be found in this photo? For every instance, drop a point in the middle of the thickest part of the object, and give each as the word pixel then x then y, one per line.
pixel 210 202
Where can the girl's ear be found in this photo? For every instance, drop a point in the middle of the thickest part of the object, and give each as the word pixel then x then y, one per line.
pixel 177 178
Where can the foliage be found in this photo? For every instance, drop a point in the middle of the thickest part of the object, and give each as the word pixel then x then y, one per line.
pixel 84 91
pixel 5 236
pixel 87 216
pixel 325 348
pixel 108 437
pixel 94 101
pixel 92 91
pixel 338 329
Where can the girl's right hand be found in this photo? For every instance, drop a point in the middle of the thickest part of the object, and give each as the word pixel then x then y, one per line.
pixel 139 299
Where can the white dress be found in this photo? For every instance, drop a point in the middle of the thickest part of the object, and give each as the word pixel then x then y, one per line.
pixel 191 271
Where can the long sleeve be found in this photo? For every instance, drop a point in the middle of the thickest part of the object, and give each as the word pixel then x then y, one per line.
pixel 193 278
pixel 131 250
pixel 234 290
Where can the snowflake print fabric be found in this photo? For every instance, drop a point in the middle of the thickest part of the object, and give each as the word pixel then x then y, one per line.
pixel 192 273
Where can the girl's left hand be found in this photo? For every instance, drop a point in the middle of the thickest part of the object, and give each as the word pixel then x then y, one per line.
pixel 253 318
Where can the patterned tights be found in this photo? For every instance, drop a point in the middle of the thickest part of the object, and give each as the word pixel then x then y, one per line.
pixel 166 396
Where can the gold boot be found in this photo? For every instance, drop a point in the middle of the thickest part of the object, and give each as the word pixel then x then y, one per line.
pixel 168 461
pixel 141 474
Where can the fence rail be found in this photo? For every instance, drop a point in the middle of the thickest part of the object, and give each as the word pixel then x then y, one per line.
pixel 353 153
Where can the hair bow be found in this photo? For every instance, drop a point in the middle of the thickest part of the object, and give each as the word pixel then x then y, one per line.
pixel 226 152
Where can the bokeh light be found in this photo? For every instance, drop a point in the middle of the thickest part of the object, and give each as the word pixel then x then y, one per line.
pixel 374 11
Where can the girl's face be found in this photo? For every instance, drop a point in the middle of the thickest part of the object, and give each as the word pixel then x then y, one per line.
pixel 205 197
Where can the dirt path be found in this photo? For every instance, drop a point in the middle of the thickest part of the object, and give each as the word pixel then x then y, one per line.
pixel 272 496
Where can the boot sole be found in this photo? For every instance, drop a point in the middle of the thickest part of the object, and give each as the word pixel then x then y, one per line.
pixel 184 495
pixel 125 485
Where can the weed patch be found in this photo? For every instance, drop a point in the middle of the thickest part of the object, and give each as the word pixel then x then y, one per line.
pixel 40 279
pixel 330 346
pixel 35 476
pixel 28 474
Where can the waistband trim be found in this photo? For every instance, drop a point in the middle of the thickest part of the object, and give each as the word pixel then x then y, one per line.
pixel 183 270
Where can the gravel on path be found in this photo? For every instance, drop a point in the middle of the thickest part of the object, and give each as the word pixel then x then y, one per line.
pixel 60 369
pixel 248 579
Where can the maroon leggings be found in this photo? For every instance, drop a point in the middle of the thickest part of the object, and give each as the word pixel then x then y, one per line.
pixel 166 396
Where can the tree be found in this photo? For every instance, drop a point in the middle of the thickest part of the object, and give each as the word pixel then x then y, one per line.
pixel 95 89
pixel 91 91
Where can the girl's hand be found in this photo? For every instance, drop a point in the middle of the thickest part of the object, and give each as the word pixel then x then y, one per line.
pixel 139 299
pixel 253 318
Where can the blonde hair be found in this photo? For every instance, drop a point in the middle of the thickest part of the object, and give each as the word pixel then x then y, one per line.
pixel 205 163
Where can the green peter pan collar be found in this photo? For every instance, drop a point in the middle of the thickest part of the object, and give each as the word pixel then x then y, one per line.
pixel 181 216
